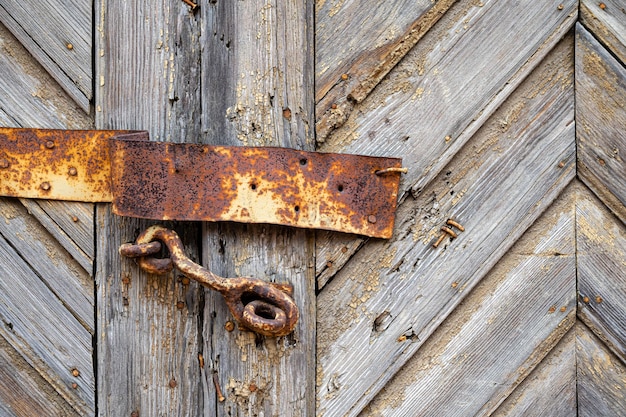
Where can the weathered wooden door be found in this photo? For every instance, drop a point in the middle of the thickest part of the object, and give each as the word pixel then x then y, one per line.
pixel 510 116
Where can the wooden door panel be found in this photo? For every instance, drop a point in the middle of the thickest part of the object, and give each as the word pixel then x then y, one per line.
pixel 47 297
pixel 445 89
pixel 517 169
pixel 503 329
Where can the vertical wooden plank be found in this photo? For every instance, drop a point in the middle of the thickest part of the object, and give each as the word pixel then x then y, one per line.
pixel 258 73
pixel 147 77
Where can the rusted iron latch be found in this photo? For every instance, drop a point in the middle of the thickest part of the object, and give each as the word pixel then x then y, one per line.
pixel 263 307
pixel 183 181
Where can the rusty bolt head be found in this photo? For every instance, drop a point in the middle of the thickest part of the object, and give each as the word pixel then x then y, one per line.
pixel 74 385
pixel 75 372
pixel 134 414
pixel 371 218
pixel 560 6
pixel 173 383
pixel 253 387
pixel 602 6
pixel 344 76
pixel 586 300
pixel 45 186
pixel 229 326
pixel 73 171
pixel 454 284
pixel 552 309
pixel 561 164
pixel 329 264
pixel 49 144
pixel 333 106
pixel 563 309
pixel 599 299
pixel 180 305
pixel 184 281
pixel 75 219
pixel 4 163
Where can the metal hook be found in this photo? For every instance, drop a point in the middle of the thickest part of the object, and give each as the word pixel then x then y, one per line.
pixel 263 307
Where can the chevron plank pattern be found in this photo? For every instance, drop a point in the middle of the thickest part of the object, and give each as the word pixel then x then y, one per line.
pixel 510 117
pixel 46 265
pixel 489 322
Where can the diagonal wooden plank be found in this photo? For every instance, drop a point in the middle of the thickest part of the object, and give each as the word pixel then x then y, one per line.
pixel 500 332
pixel 59 234
pixel 147 67
pixel 601 243
pixel 55 343
pixel 29 96
pixel 438 96
pixel 607 23
pixel 601 117
pixel 23 392
pixel 75 219
pixel 258 90
pixel 58 33
pixel 356 44
pixel 71 284
pixel 516 170
pixel 601 377
pixel 550 390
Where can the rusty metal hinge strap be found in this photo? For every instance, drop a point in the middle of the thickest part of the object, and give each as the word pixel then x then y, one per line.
pixel 168 181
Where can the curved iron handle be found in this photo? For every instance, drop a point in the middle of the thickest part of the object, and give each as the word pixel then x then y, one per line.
pixel 263 307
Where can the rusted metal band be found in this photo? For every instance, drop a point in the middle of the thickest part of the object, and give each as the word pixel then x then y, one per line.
pixel 167 181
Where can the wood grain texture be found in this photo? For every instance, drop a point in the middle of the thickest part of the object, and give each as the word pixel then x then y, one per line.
pixel 23 392
pixel 47 308
pixel 357 43
pixel 500 332
pixel 601 243
pixel 550 390
pixel 438 96
pixel 520 161
pixel 62 237
pixel 29 96
pixel 54 343
pixel 258 78
pixel 56 268
pixel 607 24
pixel 600 376
pixel 46 29
pixel 147 72
pixel 601 117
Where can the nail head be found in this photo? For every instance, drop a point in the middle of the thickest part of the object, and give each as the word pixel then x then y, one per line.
pixel 49 144
pixel 4 163
pixel 371 218
pixel 45 186
pixel 73 171
pixel 229 326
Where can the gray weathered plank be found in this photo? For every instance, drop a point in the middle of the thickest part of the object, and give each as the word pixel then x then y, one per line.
pixel 439 95
pixel 59 234
pixel 520 161
pixel 601 377
pixel 601 117
pixel 362 41
pixel 501 331
pixel 75 219
pixel 258 91
pixel 601 242
pixel 29 96
pixel 550 390
pixel 46 29
pixel 56 268
pixel 329 258
pixel 607 23
pixel 23 392
pixel 54 343
pixel 147 72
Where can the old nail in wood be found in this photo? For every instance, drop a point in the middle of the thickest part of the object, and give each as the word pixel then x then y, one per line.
pixel 218 390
